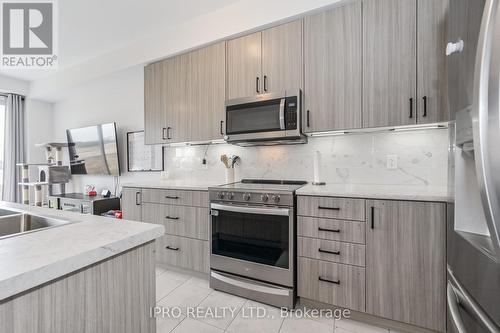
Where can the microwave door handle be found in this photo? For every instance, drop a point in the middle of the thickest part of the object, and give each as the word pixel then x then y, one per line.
pixel 282 114
pixel 251 210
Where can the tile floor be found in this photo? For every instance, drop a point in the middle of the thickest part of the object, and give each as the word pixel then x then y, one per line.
pixel 184 290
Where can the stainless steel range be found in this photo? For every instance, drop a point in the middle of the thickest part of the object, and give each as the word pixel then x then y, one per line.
pixel 252 251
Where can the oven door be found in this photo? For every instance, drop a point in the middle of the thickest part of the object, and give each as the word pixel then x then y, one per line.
pixel 253 241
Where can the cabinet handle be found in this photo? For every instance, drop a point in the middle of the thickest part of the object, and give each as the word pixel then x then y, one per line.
pixel 329 208
pixel 411 107
pixel 329 230
pixel 169 197
pixel 221 127
pixel 164 129
pixel 137 198
pixel 308 123
pixel 330 252
pixel 168 133
pixel 329 281
pixel 171 218
pixel 425 106
pixel 257 85
pixel 172 248
pixel 265 83
pixel 373 218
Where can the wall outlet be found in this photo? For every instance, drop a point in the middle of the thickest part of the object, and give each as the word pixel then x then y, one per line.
pixel 392 162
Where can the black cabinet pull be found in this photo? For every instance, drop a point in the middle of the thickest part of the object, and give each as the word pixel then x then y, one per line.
pixel 164 129
pixel 257 85
pixel 328 208
pixel 329 230
pixel 137 198
pixel 329 281
pixel 330 252
pixel 308 123
pixel 172 248
pixel 171 218
pixel 411 107
pixel 221 126
pixel 169 197
pixel 425 106
pixel 265 83
pixel 168 133
pixel 373 218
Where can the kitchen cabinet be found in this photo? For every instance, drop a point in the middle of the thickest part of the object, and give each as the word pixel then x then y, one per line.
pixel 132 204
pixel 404 62
pixel 267 61
pixel 154 104
pixel 406 262
pixel 333 77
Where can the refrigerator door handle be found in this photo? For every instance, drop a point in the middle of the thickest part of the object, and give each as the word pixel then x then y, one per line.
pixel 486 116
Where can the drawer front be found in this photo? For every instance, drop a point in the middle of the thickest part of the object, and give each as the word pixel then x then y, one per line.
pixel 175 197
pixel 339 230
pixel 178 220
pixel 344 253
pixel 183 252
pixel 336 284
pixel 336 208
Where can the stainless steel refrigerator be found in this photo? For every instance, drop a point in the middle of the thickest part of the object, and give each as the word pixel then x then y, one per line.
pixel 473 235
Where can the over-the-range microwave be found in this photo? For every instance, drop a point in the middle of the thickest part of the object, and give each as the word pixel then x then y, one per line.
pixel 273 118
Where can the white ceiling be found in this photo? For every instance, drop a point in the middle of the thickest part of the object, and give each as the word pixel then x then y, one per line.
pixel 91 28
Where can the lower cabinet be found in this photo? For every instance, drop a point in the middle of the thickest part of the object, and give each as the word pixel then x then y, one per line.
pixel 183 252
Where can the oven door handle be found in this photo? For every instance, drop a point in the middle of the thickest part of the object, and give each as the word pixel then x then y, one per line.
pixel 282 114
pixel 251 210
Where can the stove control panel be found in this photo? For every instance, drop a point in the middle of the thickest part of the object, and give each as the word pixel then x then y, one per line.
pixel 256 198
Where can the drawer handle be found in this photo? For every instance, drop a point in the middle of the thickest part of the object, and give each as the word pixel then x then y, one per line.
pixel 329 230
pixel 172 248
pixel 328 208
pixel 169 197
pixel 171 218
pixel 329 281
pixel 330 252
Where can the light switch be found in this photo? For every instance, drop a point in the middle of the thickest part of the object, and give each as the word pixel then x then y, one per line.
pixel 392 162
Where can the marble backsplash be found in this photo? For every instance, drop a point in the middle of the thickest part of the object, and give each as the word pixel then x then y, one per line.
pixel 352 159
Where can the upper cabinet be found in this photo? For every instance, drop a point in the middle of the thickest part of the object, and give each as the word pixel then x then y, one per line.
pixel 267 61
pixel 154 104
pixel 404 66
pixel 333 52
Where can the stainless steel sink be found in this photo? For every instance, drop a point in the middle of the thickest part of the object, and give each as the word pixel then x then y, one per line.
pixel 14 223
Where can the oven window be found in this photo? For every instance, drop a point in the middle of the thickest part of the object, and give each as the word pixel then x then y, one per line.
pixel 253 117
pixel 256 238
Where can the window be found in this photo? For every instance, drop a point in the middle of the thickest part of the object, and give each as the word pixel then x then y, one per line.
pixel 2 128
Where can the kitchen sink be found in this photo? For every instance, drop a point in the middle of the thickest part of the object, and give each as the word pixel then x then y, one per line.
pixel 14 223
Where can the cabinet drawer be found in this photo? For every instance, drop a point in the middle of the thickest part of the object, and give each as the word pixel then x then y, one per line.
pixel 337 208
pixel 183 252
pixel 178 220
pixel 339 230
pixel 336 284
pixel 175 197
pixel 344 253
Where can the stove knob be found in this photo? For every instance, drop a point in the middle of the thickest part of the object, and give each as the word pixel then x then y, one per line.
pixel 264 197
pixel 230 195
pixel 246 196
pixel 276 198
pixel 220 195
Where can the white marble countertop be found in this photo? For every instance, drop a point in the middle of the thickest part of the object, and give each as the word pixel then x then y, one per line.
pixel 175 184
pixel 31 259
pixel 389 192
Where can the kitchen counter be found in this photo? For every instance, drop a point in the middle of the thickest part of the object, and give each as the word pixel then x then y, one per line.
pixel 385 192
pixel 175 184
pixel 32 259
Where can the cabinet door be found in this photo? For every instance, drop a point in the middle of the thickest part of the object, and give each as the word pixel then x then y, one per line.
pixel 244 66
pixel 132 204
pixel 431 61
pixel 207 92
pixel 154 104
pixel 282 64
pixel 333 48
pixel 178 105
pixel 406 262
pixel 389 62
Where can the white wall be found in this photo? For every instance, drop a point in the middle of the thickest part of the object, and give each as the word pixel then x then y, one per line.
pixel 11 85
pixel 39 128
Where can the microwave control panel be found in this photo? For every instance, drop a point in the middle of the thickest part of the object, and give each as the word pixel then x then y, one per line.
pixel 291 113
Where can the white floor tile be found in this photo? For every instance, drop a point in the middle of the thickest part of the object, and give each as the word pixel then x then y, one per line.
pixel 159 270
pixel 352 326
pixel 165 324
pixel 248 322
pixel 176 275
pixel 165 284
pixel 199 281
pixel 302 325
pixel 185 296
pixel 193 326
pixel 219 301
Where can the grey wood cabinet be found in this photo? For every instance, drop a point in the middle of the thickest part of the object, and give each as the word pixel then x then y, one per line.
pixel 267 61
pixel 406 262
pixel 132 203
pixel 154 104
pixel 332 61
